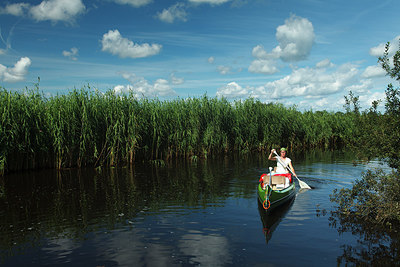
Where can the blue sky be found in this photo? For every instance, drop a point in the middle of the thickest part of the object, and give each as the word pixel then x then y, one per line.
pixel 307 53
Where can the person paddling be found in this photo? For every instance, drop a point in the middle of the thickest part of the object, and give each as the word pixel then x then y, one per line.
pixel 287 161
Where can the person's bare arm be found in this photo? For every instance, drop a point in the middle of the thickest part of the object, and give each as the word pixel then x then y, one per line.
pixel 270 157
pixel 291 167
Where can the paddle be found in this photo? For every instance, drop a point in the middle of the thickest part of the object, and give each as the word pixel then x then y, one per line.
pixel 301 183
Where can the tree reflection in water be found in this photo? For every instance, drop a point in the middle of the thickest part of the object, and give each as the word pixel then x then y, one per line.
pixel 376 246
pixel 39 208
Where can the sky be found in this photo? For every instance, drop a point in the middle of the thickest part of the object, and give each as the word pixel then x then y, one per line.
pixel 307 53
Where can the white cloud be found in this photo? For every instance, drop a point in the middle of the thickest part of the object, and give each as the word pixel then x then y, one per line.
pixel 175 12
pixel 53 10
pixel 161 87
pixel 323 102
pixel 16 73
pixel 373 71
pixel 264 66
pixel 313 82
pixel 211 60
pixel 233 90
pixel 142 88
pixel 176 80
pixel 115 44
pixel 57 10
pixel 17 9
pixel 134 3
pixel 72 54
pixel 211 2
pixel 321 87
pixel 223 70
pixel 324 64
pixel 259 52
pixel 307 82
pixel 360 88
pixel 378 50
pixel 296 38
pixel 367 99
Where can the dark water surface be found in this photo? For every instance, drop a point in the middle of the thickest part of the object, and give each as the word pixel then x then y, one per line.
pixel 200 213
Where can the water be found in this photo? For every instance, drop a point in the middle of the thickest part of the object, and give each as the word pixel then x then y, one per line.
pixel 199 213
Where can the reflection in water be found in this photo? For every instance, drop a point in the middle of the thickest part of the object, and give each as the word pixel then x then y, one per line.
pixel 376 247
pixel 201 213
pixel 57 212
pixel 271 220
pixel 206 250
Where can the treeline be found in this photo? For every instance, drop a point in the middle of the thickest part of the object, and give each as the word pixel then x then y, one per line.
pixel 371 207
pixel 89 128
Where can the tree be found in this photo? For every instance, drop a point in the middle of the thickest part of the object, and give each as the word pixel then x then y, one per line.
pixel 391 132
pixel 349 100
pixel 372 205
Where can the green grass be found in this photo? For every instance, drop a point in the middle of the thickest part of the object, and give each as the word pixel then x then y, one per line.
pixel 89 128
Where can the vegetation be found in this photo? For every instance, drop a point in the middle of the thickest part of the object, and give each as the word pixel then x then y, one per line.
pixel 88 128
pixel 371 208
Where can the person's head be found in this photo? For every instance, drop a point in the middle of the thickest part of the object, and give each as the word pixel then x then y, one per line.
pixel 283 152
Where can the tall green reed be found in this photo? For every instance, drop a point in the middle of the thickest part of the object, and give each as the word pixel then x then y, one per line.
pixel 86 127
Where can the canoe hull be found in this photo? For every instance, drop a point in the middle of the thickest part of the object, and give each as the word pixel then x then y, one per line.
pixel 277 197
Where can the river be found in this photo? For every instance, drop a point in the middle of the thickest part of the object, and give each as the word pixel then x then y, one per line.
pixel 176 214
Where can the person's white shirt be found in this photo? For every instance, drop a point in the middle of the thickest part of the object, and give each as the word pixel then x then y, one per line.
pixel 280 168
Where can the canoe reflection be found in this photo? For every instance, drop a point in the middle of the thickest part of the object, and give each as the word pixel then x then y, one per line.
pixel 271 219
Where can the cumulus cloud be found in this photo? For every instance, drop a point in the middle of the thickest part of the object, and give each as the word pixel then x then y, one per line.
pixel 115 44
pixel 373 71
pixel 321 80
pixel 264 66
pixel 324 64
pixel 57 10
pixel 53 10
pixel 319 86
pixel 313 81
pixel 360 88
pixel 259 52
pixel 323 102
pixel 16 73
pixel 140 87
pixel 176 80
pixel 133 3
pixel 378 50
pixel 211 60
pixel 211 2
pixel 18 9
pixel 367 99
pixel 175 12
pixel 72 54
pixel 296 38
pixel 233 90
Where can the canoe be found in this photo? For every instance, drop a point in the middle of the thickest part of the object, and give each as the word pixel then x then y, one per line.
pixel 280 190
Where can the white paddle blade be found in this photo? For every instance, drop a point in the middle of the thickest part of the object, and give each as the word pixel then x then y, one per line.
pixel 303 184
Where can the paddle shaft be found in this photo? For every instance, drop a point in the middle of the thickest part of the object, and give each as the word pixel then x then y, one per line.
pixel 301 183
pixel 284 165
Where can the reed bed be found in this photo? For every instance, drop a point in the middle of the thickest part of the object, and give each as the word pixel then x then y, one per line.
pixel 89 128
